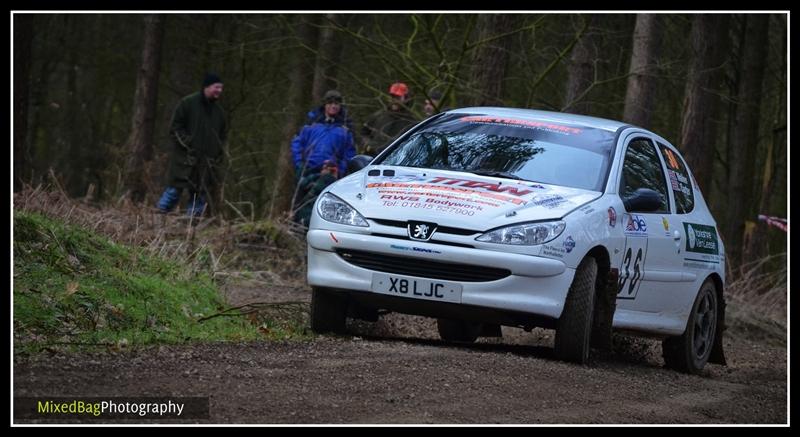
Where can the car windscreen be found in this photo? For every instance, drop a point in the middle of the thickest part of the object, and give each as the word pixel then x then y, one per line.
pixel 533 150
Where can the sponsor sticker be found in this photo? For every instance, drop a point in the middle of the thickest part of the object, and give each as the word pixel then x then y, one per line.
pixel 701 239
pixel 635 225
pixel 532 124
pixel 414 249
pixel 679 182
pixel 407 178
pixel 454 187
pixel 549 201
pixel 673 180
pixel 665 223
pixel 672 160
pixel 552 251
pixel 612 217
pixel 699 264
pixel 569 244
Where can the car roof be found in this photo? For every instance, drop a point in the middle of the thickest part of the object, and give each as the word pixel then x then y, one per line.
pixel 532 114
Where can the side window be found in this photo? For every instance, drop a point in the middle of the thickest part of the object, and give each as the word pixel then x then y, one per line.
pixel 642 169
pixel 679 179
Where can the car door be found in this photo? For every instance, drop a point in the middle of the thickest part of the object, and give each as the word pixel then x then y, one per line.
pixel 694 230
pixel 650 263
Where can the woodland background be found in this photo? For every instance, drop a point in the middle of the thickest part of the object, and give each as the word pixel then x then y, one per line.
pixel 93 94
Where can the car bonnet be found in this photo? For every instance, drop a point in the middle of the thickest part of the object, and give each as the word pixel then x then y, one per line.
pixel 457 199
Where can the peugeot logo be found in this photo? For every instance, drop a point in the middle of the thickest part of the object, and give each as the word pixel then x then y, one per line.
pixel 421 231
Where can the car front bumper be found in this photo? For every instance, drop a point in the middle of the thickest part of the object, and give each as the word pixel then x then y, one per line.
pixel 536 285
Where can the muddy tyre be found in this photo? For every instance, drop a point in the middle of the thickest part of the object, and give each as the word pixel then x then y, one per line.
pixel 328 311
pixel 574 328
pixel 689 352
pixel 458 330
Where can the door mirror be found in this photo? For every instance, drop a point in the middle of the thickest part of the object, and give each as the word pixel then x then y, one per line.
pixel 358 162
pixel 643 200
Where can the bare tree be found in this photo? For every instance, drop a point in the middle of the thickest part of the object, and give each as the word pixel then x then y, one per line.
pixel 640 94
pixel 490 58
pixel 698 129
pixel 299 90
pixel 755 239
pixel 23 36
pixel 582 69
pixel 330 48
pixel 140 140
pixel 744 143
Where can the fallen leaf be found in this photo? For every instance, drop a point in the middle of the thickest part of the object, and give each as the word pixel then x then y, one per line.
pixel 72 287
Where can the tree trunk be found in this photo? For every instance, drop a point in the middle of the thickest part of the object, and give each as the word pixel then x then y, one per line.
pixel 640 94
pixel 73 164
pixel 330 50
pixel 744 142
pixel 756 243
pixel 23 37
pixel 582 71
pixel 299 90
pixel 701 102
pixel 490 59
pixel 140 140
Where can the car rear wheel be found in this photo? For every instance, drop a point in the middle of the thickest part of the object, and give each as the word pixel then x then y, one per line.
pixel 458 330
pixel 690 352
pixel 328 311
pixel 574 328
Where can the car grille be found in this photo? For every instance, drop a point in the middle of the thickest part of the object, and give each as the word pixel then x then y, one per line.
pixel 422 267
pixel 439 229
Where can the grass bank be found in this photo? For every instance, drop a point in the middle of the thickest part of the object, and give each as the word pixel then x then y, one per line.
pixel 74 287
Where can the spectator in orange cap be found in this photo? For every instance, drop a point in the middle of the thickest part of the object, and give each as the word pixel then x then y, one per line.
pixel 387 124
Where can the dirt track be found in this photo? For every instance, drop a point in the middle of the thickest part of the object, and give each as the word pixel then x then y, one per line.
pixel 417 379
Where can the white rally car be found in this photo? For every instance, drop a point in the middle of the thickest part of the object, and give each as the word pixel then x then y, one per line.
pixel 483 217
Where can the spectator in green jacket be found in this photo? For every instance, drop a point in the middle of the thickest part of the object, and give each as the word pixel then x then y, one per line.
pixel 387 124
pixel 198 132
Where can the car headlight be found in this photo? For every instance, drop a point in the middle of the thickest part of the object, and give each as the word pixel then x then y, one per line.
pixel 525 234
pixel 336 210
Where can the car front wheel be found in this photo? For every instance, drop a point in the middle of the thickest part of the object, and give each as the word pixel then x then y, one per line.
pixel 328 311
pixel 574 328
pixel 690 352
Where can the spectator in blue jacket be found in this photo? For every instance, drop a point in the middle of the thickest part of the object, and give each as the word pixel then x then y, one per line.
pixel 325 142
pixel 318 114
pixel 326 138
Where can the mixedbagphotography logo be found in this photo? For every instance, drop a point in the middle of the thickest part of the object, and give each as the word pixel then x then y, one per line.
pixel 101 408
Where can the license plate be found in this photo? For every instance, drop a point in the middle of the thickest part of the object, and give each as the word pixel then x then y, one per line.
pixel 416 288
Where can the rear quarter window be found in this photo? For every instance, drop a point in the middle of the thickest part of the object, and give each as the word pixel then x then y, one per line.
pixel 679 179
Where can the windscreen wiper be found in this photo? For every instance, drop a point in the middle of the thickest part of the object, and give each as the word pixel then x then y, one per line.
pixel 500 174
